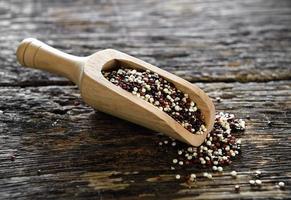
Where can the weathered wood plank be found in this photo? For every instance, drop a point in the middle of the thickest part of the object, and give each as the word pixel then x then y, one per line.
pixel 200 41
pixel 64 149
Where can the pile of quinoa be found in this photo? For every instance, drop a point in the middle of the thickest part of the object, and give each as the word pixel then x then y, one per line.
pixel 159 92
pixel 218 150
pixel 220 147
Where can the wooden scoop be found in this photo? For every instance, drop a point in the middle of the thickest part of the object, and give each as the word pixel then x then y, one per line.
pixel 104 96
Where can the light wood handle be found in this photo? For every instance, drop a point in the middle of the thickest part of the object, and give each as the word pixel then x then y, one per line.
pixel 36 54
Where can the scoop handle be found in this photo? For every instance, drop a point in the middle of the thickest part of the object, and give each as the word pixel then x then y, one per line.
pixel 36 54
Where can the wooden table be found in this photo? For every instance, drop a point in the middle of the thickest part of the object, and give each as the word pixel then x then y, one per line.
pixel 53 146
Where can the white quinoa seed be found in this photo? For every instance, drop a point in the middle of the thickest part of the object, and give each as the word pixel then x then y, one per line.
pixel 148 87
pixel 165 90
pixel 220 169
pixel 192 176
pixel 281 184
pixel 190 149
pixel 258 182
pixel 252 182
pixel 233 174
pixel 178 176
pixel 258 172
pixel 177 108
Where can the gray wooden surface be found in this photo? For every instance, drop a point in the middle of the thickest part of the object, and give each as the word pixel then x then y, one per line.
pixel 237 50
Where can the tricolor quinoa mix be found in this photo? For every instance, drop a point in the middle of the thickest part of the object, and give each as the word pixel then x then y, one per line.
pixel 161 93
pixel 219 148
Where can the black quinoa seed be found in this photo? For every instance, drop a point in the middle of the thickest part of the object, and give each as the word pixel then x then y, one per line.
pixel 12 157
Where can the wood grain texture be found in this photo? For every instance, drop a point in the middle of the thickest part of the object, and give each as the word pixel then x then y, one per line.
pixel 200 41
pixel 89 155
pixel 63 148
